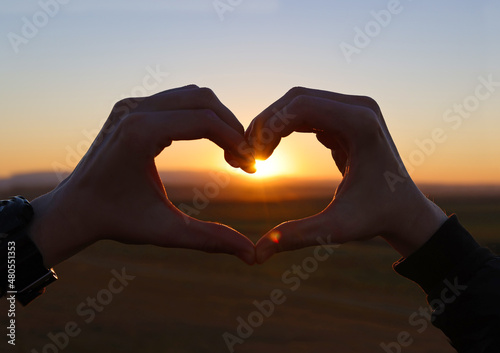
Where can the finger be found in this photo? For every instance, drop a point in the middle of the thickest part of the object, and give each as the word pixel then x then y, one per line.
pixel 130 105
pixel 188 98
pixel 182 88
pixel 150 133
pixel 233 161
pixel 311 114
pixel 193 97
pixel 339 150
pixel 278 106
pixel 292 235
pixel 295 92
pixel 341 159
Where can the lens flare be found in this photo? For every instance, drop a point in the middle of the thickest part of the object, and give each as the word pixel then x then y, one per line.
pixel 275 236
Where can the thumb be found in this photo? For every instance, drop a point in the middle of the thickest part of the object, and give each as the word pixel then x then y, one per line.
pixel 292 235
pixel 214 238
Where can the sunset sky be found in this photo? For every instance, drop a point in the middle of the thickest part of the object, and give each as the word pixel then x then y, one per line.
pixel 432 66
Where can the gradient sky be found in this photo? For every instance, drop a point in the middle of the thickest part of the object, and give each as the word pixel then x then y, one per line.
pixel 429 58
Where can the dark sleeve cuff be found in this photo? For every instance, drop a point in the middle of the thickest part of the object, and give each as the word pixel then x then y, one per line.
pixel 451 251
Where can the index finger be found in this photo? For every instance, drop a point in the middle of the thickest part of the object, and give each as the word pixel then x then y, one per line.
pixel 311 114
pixel 191 97
pixel 149 133
pixel 279 110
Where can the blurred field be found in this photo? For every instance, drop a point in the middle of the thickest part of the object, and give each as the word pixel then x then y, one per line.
pixel 183 301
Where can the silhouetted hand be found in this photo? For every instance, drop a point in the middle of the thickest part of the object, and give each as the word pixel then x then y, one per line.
pixel 115 191
pixel 375 197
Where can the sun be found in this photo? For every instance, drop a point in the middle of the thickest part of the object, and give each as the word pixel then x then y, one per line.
pixel 265 169
pixel 275 166
pixel 268 168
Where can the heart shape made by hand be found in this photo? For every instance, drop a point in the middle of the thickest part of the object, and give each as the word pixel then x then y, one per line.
pixel 115 191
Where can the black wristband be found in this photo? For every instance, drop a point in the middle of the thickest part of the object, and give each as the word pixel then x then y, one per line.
pixel 21 265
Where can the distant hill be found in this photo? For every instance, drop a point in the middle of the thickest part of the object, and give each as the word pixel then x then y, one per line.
pixel 37 179
pixel 185 185
pixel 189 185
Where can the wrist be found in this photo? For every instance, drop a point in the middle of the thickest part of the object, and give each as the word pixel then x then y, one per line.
pixel 421 222
pixel 55 230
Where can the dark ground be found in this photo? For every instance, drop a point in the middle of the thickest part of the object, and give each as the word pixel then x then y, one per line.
pixel 184 301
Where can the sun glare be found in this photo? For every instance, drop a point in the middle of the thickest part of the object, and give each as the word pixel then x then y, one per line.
pixel 276 165
pixel 267 169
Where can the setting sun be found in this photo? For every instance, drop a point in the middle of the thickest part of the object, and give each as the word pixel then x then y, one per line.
pixel 274 166
pixel 278 164
pixel 266 169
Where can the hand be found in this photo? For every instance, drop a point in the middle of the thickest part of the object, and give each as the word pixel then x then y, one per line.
pixel 115 191
pixel 375 197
